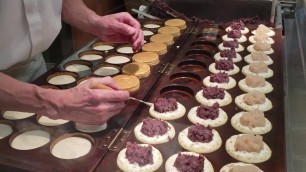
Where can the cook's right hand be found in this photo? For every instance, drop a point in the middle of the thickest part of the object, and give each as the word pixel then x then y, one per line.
pixel 90 106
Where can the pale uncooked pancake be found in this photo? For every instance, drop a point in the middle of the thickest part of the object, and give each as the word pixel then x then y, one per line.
pixel 178 113
pixel 43 120
pixel 229 85
pixel 235 121
pixel 5 130
pixel 156 47
pixel 239 49
pixel 209 102
pixel 147 33
pixel 151 26
pixel 248 157
pixel 106 71
pixel 176 23
pixel 240 40
pixel 237 59
pixel 77 68
pixel 220 120
pixel 125 50
pixel 244 31
pixel 149 58
pixel 174 31
pixel 169 165
pixel 249 60
pixel 90 128
pixel 252 40
pixel 117 59
pixel 246 71
pixel 71 148
pixel 103 47
pixel 267 105
pixel 140 70
pixel 212 69
pixel 251 49
pixel 61 80
pixel 127 82
pixel 199 147
pixel 91 57
pixel 265 89
pixel 155 139
pixel 30 140
pixel 162 38
pixel 14 115
pixel 228 167
pixel 124 164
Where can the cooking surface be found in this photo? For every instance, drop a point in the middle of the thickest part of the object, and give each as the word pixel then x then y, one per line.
pixel 195 65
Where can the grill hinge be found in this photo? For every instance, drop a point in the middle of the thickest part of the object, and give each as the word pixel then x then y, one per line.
pixel 166 69
pixel 115 139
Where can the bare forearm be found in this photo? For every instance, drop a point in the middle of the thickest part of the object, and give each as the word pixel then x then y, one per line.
pixel 76 13
pixel 19 96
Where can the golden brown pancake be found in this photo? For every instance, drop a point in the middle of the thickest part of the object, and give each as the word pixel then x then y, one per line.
pixel 140 70
pixel 176 23
pixel 174 31
pixel 149 58
pixel 127 82
pixel 156 47
pixel 162 38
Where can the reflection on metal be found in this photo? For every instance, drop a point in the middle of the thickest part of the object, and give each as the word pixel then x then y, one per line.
pixel 273 9
pixel 300 47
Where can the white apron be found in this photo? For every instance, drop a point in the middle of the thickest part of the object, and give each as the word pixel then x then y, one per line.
pixel 27 28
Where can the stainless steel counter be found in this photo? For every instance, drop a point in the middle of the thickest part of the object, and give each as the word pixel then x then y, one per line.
pixel 295 88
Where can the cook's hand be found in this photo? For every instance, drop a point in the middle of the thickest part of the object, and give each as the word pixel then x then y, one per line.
pixel 91 106
pixel 119 27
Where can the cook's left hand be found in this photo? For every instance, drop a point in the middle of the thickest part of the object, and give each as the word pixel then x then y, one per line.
pixel 119 27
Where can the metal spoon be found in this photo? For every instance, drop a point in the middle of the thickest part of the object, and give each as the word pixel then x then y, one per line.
pixel 101 86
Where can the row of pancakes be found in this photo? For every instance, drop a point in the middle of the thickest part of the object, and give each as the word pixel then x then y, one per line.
pixel 149 56
pixel 132 72
pixel 248 147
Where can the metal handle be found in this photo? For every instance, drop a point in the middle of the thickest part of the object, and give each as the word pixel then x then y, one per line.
pixel 145 14
pixel 272 17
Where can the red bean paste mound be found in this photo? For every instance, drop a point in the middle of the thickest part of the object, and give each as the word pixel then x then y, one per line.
pixel 229 53
pixel 213 93
pixel 255 21
pixel 200 133
pixel 234 34
pixel 224 64
pixel 238 25
pixel 220 77
pixel 208 112
pixel 154 127
pixel 189 163
pixel 231 44
pixel 142 155
pixel 162 105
